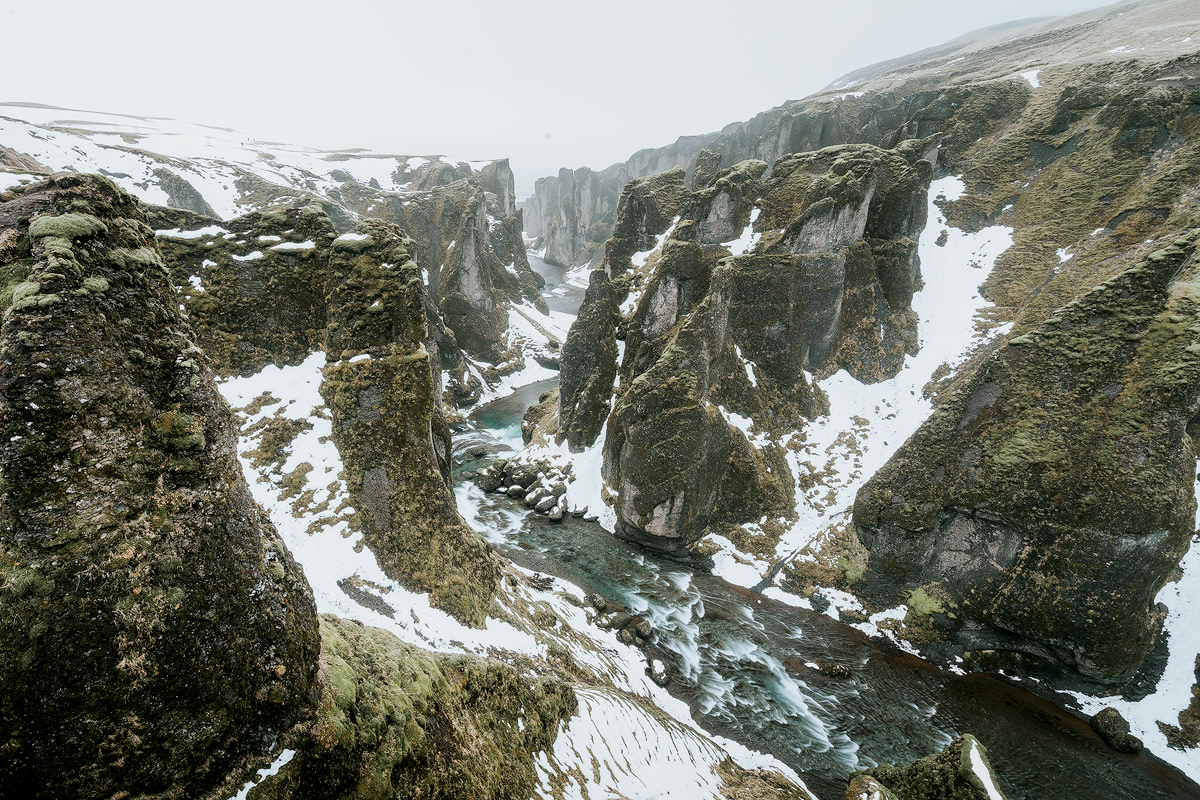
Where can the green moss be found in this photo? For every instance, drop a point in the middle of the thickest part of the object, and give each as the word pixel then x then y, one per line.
pixel 66 226
pixel 25 289
pixel 1072 441
pixel 921 604
pixel 397 721
pixel 947 775
pixel 96 284
pixel 135 259
pixel 120 469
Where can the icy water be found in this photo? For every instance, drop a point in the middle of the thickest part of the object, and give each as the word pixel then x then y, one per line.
pixel 746 666
pixel 749 666
pixel 564 288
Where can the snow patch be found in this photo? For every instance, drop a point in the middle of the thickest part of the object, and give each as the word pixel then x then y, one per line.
pixel 178 233
pixel 748 238
pixel 284 758
pixel 983 773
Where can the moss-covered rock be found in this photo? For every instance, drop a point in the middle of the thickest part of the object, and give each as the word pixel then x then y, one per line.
pixel 253 287
pixel 959 772
pixel 589 365
pixel 466 233
pixel 156 637
pixel 1052 492
pixel 389 427
pixel 395 721
pixel 181 194
pixel 822 279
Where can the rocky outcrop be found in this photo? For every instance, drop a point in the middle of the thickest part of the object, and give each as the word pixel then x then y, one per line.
pixel 389 427
pixel 272 288
pixel 254 286
pixel 397 721
pixel 181 194
pixel 1052 492
pixel 466 235
pixel 589 363
pixel 156 637
pixel 961 771
pixel 733 292
pixel 573 213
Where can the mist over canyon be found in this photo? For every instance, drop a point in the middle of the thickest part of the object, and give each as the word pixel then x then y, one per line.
pixel 844 451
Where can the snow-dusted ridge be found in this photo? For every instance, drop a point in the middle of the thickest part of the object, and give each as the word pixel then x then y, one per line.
pixel 130 149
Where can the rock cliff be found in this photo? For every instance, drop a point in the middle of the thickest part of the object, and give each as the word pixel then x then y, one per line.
pixel 573 213
pixel 726 298
pixel 270 288
pixel 389 427
pixel 158 637
pixel 1052 491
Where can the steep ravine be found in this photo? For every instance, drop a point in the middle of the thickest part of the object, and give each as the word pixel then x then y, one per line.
pixel 812 691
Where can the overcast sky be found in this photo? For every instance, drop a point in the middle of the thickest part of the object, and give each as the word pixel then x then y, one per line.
pixel 547 84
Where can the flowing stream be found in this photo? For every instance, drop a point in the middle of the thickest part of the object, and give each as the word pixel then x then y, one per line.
pixel 758 671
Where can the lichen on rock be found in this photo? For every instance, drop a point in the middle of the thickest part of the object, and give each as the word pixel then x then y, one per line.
pixel 157 636
pixel 395 721
pixel 1052 492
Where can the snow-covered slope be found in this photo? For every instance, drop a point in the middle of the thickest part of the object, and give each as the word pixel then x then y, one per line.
pixel 630 739
pixel 222 165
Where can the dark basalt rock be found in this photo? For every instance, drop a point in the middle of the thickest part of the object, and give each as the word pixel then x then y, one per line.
pixel 1051 493
pixel 156 637
pixel 589 365
pixel 1114 730
pixel 181 194
pixel 827 286
pixel 389 427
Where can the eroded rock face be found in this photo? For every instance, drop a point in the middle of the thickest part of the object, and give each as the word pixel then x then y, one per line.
pixel 397 721
pixel 389 428
pixel 1051 494
pixel 961 771
pixel 572 214
pixel 467 236
pixel 253 286
pixel 732 292
pixel 272 288
pixel 156 637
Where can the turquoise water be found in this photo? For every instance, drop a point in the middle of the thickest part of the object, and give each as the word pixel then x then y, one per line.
pixel 744 664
